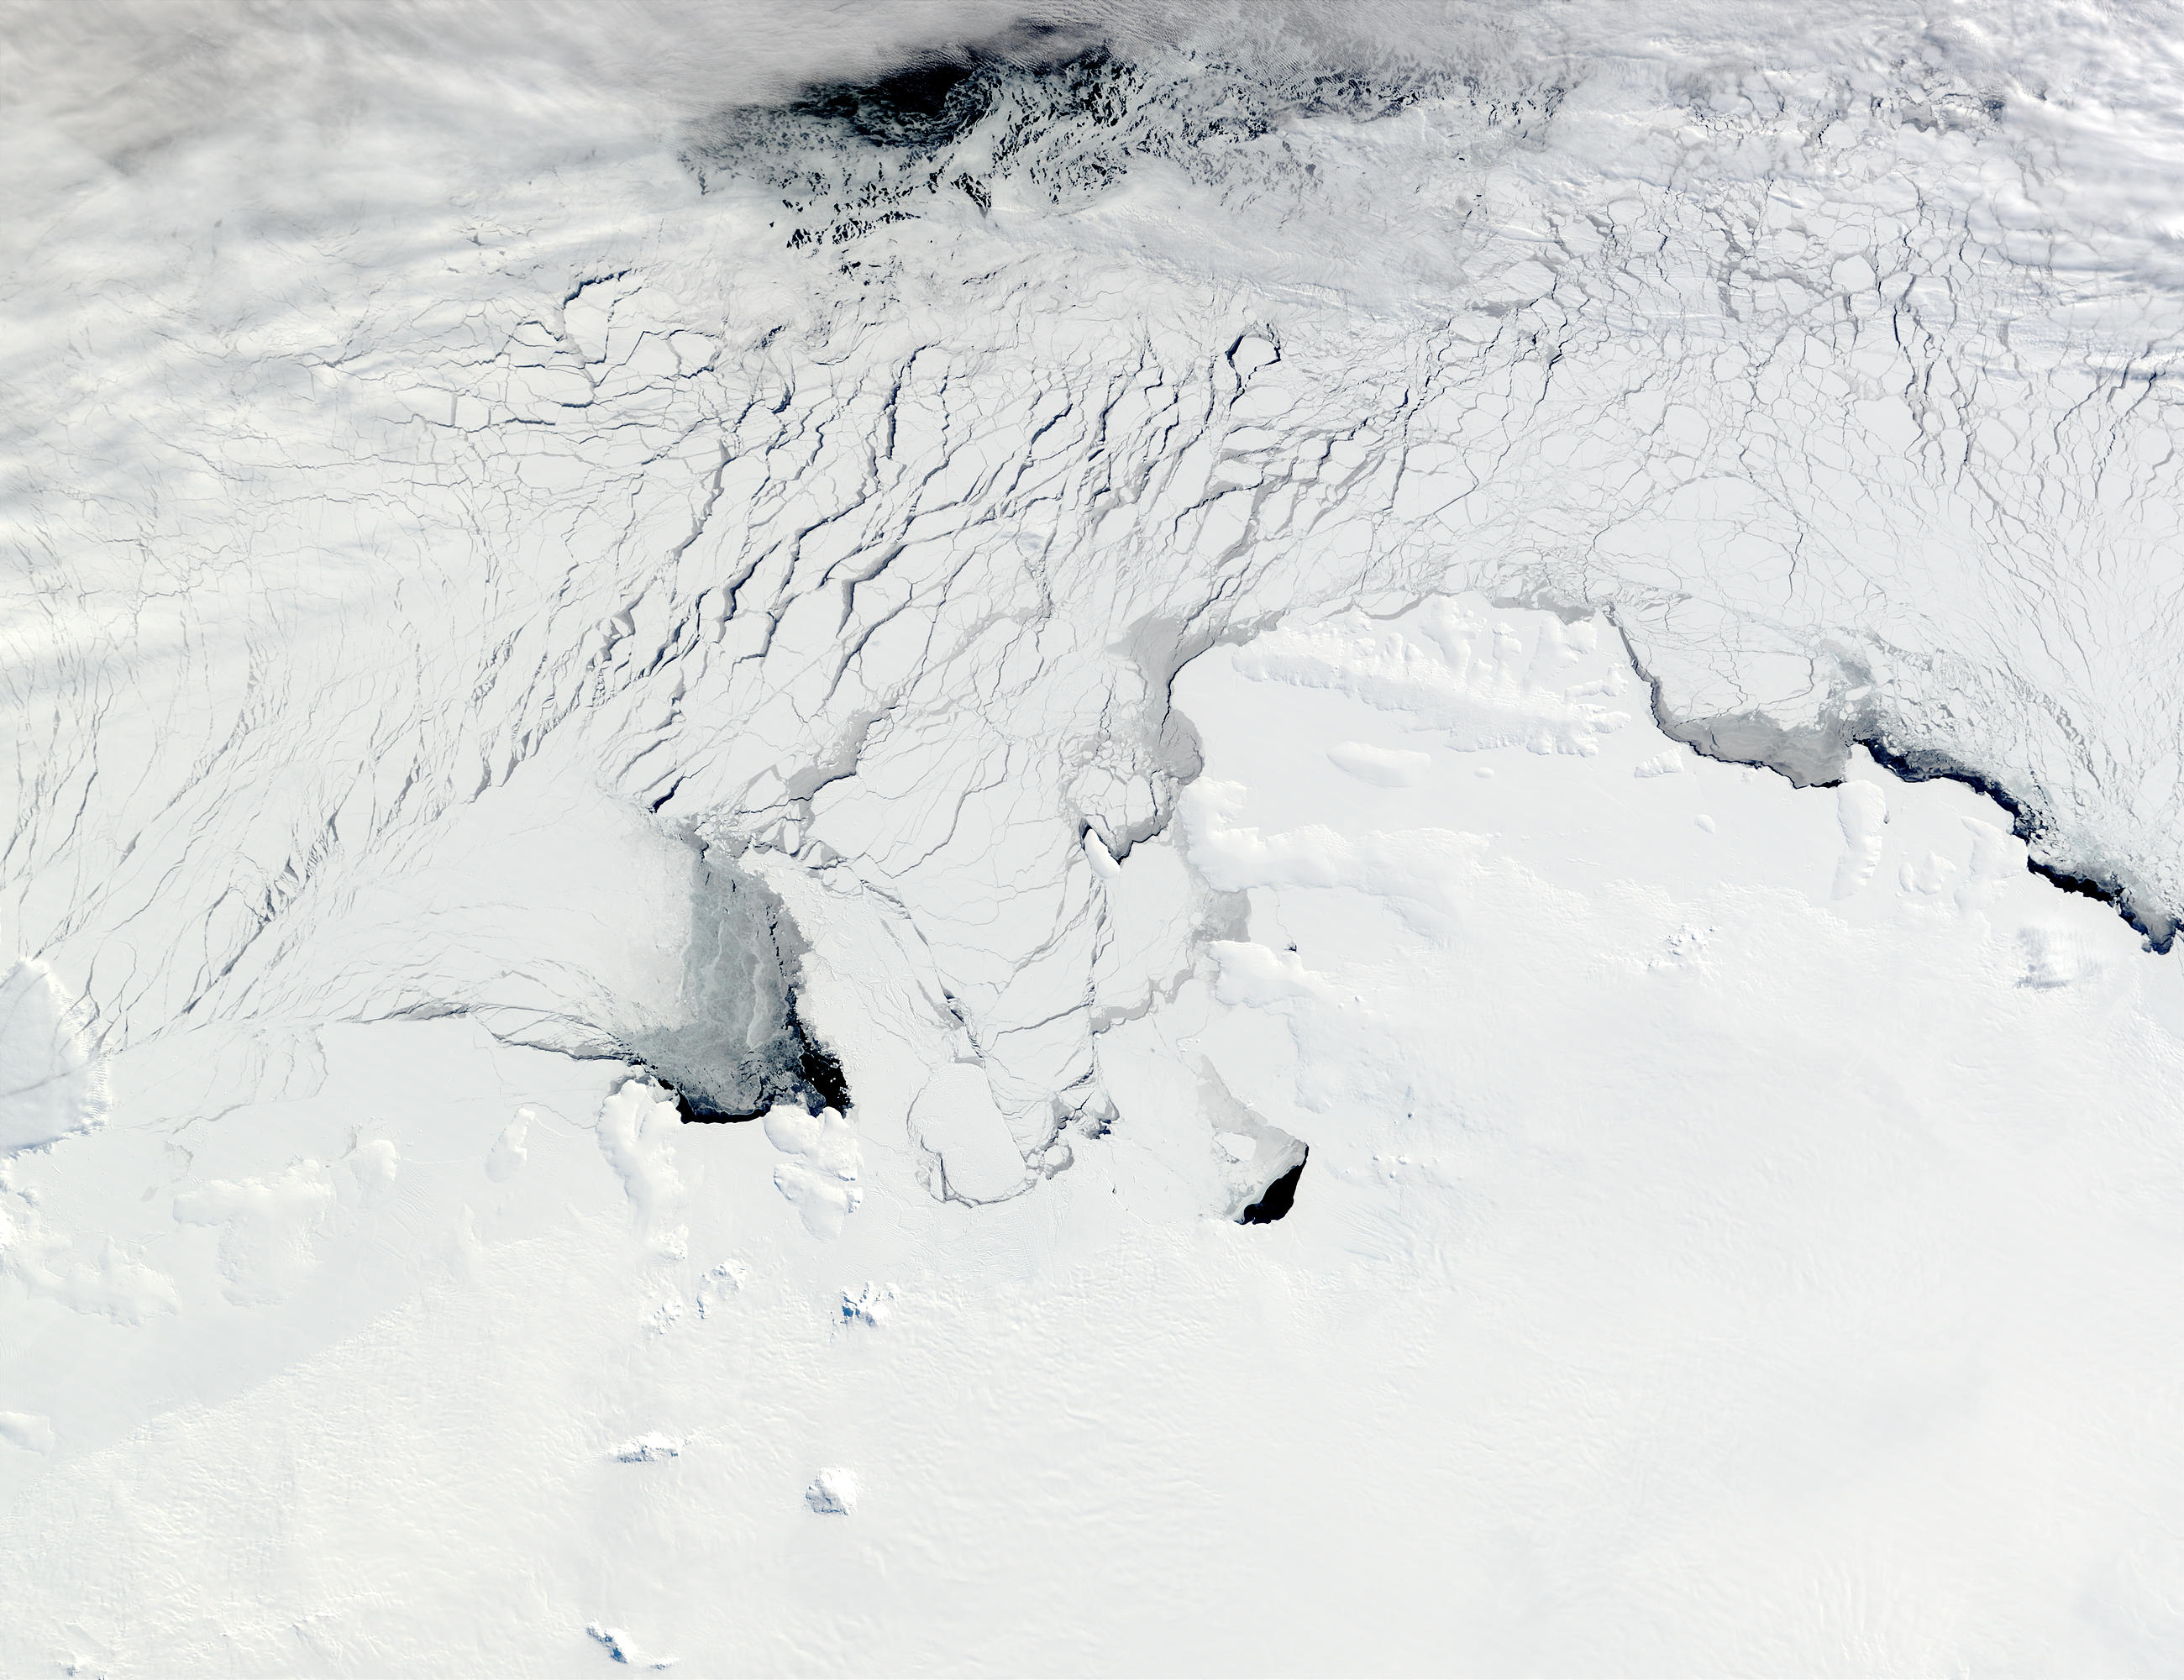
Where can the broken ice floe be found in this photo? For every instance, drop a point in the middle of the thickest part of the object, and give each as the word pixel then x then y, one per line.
pixel 1052 117
pixel 955 1120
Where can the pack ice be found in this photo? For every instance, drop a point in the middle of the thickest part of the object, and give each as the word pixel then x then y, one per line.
pixel 901 842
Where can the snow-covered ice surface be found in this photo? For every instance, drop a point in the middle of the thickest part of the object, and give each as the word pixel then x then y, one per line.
pixel 1154 651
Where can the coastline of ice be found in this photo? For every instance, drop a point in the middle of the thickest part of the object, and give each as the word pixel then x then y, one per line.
pixel 1642 1291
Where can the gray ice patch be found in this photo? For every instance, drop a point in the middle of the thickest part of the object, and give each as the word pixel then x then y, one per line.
pixel 738 1048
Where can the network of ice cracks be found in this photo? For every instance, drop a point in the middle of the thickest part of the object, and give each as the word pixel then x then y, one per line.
pixel 609 530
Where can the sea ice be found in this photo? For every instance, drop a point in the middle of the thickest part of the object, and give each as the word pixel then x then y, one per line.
pixel 1357 729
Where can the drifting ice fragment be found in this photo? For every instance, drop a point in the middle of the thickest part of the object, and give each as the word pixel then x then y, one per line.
pixel 956 1118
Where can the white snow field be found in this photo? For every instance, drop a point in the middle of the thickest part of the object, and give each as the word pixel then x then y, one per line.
pixel 1356 738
